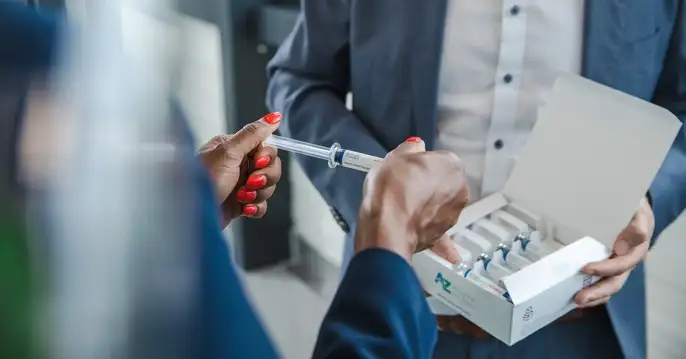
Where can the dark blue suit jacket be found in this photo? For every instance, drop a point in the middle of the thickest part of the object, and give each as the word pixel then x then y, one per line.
pixel 387 54
pixel 373 315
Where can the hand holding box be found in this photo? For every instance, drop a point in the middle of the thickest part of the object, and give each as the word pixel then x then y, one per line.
pixel 577 182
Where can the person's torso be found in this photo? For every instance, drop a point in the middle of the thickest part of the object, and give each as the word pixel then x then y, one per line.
pixel 395 53
pixel 499 62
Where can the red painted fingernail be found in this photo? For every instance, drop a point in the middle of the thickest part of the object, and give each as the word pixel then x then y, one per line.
pixel 256 181
pixel 262 162
pixel 272 118
pixel 250 210
pixel 244 195
pixel 413 139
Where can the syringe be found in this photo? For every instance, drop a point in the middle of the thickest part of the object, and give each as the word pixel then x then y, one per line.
pixel 335 155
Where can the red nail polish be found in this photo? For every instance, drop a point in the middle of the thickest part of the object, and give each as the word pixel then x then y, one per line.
pixel 262 162
pixel 272 118
pixel 413 139
pixel 250 210
pixel 256 181
pixel 244 195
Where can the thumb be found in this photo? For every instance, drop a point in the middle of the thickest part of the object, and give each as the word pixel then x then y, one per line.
pixel 621 246
pixel 253 134
pixel 411 145
pixel 630 237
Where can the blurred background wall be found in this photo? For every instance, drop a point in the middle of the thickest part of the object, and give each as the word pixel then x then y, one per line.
pixel 292 257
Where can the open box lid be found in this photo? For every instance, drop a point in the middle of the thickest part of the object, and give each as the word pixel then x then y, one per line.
pixel 591 157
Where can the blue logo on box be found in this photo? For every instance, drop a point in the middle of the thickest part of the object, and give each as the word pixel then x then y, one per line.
pixel 445 284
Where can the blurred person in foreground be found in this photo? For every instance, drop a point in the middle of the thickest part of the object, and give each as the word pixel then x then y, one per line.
pixel 26 48
pixel 373 315
pixel 469 76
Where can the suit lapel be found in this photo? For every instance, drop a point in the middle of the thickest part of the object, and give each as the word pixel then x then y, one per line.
pixel 619 48
pixel 425 31
pixel 599 50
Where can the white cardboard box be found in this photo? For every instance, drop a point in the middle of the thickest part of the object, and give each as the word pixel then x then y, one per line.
pixel 590 159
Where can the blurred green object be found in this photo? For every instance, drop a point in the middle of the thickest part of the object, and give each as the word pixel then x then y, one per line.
pixel 16 284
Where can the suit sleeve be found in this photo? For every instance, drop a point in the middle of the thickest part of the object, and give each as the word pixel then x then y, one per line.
pixel 379 311
pixel 229 328
pixel 668 190
pixel 308 83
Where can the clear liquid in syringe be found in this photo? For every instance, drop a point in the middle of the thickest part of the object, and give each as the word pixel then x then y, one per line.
pixel 335 155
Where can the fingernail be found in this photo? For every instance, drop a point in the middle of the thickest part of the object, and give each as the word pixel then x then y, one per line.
pixel 244 195
pixel 272 118
pixel 256 181
pixel 413 139
pixel 249 210
pixel 454 259
pixel 621 248
pixel 262 162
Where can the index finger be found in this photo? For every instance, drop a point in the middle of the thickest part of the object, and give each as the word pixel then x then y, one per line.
pixel 263 156
pixel 253 134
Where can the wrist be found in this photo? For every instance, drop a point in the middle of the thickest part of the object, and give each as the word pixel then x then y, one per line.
pixel 385 227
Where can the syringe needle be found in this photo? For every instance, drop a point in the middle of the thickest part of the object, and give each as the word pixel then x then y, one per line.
pixel 336 156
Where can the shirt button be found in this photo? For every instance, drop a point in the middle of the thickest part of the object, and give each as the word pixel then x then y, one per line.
pixel 507 78
pixel 514 10
pixel 498 144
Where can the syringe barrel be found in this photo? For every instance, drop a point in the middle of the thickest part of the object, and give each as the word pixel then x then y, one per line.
pixel 336 156
pixel 299 147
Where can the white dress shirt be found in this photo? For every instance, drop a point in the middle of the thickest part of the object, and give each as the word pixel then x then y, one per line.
pixel 500 59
